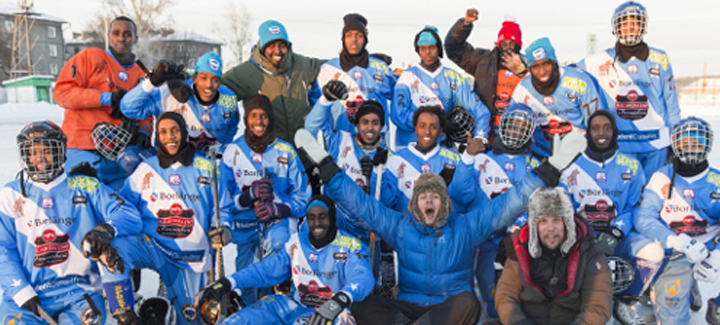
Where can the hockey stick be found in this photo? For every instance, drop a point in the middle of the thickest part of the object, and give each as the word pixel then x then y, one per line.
pixel 372 234
pixel 212 154
pixel 45 316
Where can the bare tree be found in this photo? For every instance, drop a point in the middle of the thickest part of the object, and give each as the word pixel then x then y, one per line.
pixel 148 15
pixel 5 53
pixel 234 30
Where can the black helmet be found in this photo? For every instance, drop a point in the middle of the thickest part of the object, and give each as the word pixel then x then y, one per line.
pixel 459 120
pixel 41 149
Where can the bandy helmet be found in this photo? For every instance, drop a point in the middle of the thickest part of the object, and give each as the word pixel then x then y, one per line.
pixel 622 273
pixel 633 17
pixel 517 124
pixel 691 140
pixel 459 120
pixel 41 149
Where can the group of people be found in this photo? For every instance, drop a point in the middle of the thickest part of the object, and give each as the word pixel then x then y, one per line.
pixel 564 194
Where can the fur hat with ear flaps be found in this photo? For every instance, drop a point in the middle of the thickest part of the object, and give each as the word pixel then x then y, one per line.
pixel 431 182
pixel 550 201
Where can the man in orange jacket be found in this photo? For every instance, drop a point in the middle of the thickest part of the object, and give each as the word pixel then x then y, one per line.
pixel 90 85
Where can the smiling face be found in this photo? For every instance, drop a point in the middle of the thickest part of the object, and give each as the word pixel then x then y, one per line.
pixel 318 221
pixel 601 132
pixel 40 156
pixel 207 85
pixel 428 54
pixel 429 204
pixel 169 135
pixel 542 70
pixel 369 127
pixel 258 121
pixel 354 42
pixel 427 129
pixel 275 51
pixel 551 231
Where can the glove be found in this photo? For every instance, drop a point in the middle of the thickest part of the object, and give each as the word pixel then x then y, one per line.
pixel 608 242
pixel 366 165
pixel 447 173
pixel 222 235
pixel 163 71
pixel 142 140
pixel 335 90
pixel 694 250
pixel 202 141
pixel 179 90
pixel 32 305
pixel 266 210
pixel 214 292
pixel 115 99
pixel 381 156
pixel 259 190
pixel 96 245
pixel 314 158
pixel 329 311
pixel 566 150
pixel 83 168
pixel 708 269
pixel 476 145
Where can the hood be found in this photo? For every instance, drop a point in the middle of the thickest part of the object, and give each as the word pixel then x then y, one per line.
pixel 261 62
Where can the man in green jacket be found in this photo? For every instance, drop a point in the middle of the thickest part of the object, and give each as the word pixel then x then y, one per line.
pixel 278 73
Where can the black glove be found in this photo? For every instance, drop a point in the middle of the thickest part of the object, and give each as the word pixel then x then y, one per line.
pixel 447 173
pixel 179 90
pixel 608 241
pixel 327 169
pixel 115 99
pixel 548 174
pixel 381 156
pixel 214 292
pixel 83 168
pixel 96 243
pixel 329 311
pixel 222 235
pixel 32 305
pixel 366 166
pixel 334 90
pixel 142 140
pixel 259 190
pixel 163 71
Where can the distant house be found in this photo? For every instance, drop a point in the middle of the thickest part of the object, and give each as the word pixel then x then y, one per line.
pixel 81 41
pixel 704 91
pixel 45 32
pixel 181 47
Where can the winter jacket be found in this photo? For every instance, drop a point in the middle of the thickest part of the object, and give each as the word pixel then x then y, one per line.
pixel 434 263
pixel 587 299
pixel 286 86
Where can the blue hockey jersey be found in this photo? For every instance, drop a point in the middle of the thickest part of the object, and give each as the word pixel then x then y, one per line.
pixel 176 205
pixel 376 83
pixel 693 208
pixel 317 274
pixel 445 88
pixel 567 108
pixel 607 192
pixel 241 166
pixel 219 120
pixel 641 94
pixel 42 231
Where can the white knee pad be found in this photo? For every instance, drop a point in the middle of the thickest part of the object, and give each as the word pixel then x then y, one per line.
pixel 652 252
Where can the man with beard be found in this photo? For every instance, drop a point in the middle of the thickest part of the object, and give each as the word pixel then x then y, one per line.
pixel 329 269
pixel 209 109
pixel 497 71
pixel 606 187
pixel 89 88
pixel 432 84
pixel 638 86
pixel 563 98
pixel 267 184
pixel 434 245
pixel 279 73
pixel 174 195
pixel 365 76
pixel 555 273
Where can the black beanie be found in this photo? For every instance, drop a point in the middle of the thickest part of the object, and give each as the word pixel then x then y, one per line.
pixel 185 153
pixel 332 229
pixel 613 140
pixel 370 107
pixel 354 22
pixel 259 144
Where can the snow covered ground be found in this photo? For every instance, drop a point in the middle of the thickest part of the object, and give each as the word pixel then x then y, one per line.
pixel 14 116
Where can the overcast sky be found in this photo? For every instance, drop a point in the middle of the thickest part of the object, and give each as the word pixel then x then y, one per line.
pixel 688 30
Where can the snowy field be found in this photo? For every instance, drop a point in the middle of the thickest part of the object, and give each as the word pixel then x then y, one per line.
pixel 14 116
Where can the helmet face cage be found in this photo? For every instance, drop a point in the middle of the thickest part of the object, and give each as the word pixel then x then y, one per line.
pixel 627 11
pixel 516 128
pixel 622 273
pixel 459 120
pixel 692 140
pixel 42 158
pixel 110 139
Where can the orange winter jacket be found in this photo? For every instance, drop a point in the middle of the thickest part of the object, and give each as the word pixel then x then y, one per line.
pixel 78 89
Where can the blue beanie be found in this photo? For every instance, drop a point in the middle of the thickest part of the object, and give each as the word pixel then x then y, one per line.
pixel 210 62
pixel 271 30
pixel 540 50
pixel 427 38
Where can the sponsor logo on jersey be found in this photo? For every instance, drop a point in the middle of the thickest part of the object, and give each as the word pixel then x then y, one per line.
pixel 340 256
pixel 670 208
pixel 488 180
pixel 601 214
pixel 85 183
pixel 312 295
pixel 425 168
pixel 177 196
pixel 175 180
pixel 581 193
pixel 659 58
pixel 257 159
pixel 123 76
pixel 571 97
pixel 654 72
pixel 601 177
pixel 632 69
pixel 689 225
pixel 504 95
pixel 688 193
pixel 672 287
pixel 378 77
pixel 434 86
pixel 175 222
pixel 350 243
pixel 357 75
pixel 604 69
pixel 574 84
pixel 312 258
pixel 204 180
pixel 631 106
pixel 153 197
pixel 626 176
pixel 51 249
pixel 509 167
pixel 48 203
pixel 548 100
pixel 227 115
pixel 715 195
pixel 79 199
pixel 509 73
pixel 205 118
pixel 67 221
pixel 360 182
pixel 713 179
pixel 282 160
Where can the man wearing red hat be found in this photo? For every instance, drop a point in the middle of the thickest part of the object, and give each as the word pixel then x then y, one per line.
pixel 497 71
